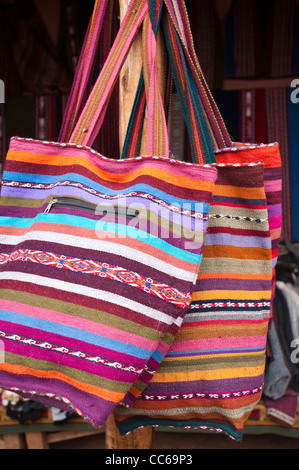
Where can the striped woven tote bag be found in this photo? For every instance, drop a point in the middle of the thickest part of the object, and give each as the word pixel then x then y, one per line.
pixel 212 376
pixel 98 257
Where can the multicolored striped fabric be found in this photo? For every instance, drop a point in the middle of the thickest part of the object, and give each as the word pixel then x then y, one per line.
pixel 212 375
pixel 270 155
pixel 86 298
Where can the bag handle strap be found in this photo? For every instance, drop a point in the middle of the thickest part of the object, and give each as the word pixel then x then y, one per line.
pixel 157 133
pixel 196 120
pixel 91 118
pixel 206 128
pixel 82 79
pixel 180 21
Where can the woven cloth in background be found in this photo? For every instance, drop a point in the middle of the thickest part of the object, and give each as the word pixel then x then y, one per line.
pixel 280 38
pixel 208 41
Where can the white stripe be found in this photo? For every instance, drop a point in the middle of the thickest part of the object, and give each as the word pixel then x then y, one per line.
pixel 91 292
pixel 100 245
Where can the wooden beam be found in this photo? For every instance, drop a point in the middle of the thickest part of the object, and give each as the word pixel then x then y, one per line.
pixel 139 439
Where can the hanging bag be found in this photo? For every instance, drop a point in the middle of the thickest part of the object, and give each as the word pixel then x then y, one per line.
pixel 212 376
pixel 98 257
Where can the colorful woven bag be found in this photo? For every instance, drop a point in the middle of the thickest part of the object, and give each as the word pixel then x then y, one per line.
pixel 98 257
pixel 212 376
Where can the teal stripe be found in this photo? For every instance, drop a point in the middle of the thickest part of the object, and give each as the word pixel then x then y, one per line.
pixel 74 333
pixel 112 228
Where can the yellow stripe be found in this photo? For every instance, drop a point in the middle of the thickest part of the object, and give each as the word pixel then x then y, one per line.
pixel 211 356
pixel 208 375
pixel 231 294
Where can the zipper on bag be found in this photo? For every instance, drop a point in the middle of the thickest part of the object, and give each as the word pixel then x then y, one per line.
pixel 100 210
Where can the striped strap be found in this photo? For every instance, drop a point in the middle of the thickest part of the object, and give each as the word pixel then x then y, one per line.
pixel 132 143
pixel 82 79
pixel 179 17
pixel 91 118
pixel 157 134
pixel 200 135
pixel 202 146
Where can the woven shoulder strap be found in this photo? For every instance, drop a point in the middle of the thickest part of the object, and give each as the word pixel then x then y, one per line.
pixel 179 20
pixel 82 79
pixel 206 128
pixel 91 118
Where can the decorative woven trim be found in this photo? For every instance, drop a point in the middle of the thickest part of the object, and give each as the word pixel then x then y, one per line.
pixel 232 217
pixel 236 148
pixel 71 352
pixel 208 396
pixel 204 428
pixel 144 157
pixel 232 305
pixel 22 184
pixel 103 270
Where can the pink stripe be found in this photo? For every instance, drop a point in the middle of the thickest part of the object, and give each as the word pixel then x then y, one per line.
pixel 93 122
pixel 156 115
pixel 218 343
pixel 273 186
pixel 275 222
pixel 82 324
pixel 35 147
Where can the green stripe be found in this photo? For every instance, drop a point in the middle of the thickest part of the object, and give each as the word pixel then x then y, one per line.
pixel 81 376
pixel 86 313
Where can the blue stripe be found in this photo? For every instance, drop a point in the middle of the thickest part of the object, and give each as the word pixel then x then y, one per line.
pixel 75 333
pixel 206 352
pixel 117 229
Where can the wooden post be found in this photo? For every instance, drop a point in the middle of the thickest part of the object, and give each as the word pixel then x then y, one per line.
pixel 129 79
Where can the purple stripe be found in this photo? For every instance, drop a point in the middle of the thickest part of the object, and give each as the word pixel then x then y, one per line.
pixel 167 187
pixel 238 241
pixel 96 408
pixel 204 386
pixel 115 287
pixel 98 256
pixel 239 200
pixel 74 344
pixel 76 301
pixel 233 284
pixel 274 210
pixel 272 174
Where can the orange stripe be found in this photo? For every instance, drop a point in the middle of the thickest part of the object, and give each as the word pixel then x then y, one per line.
pixel 236 330
pixel 227 251
pixel 55 160
pixel 236 191
pixel 207 375
pixel 97 391
pixel 264 277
